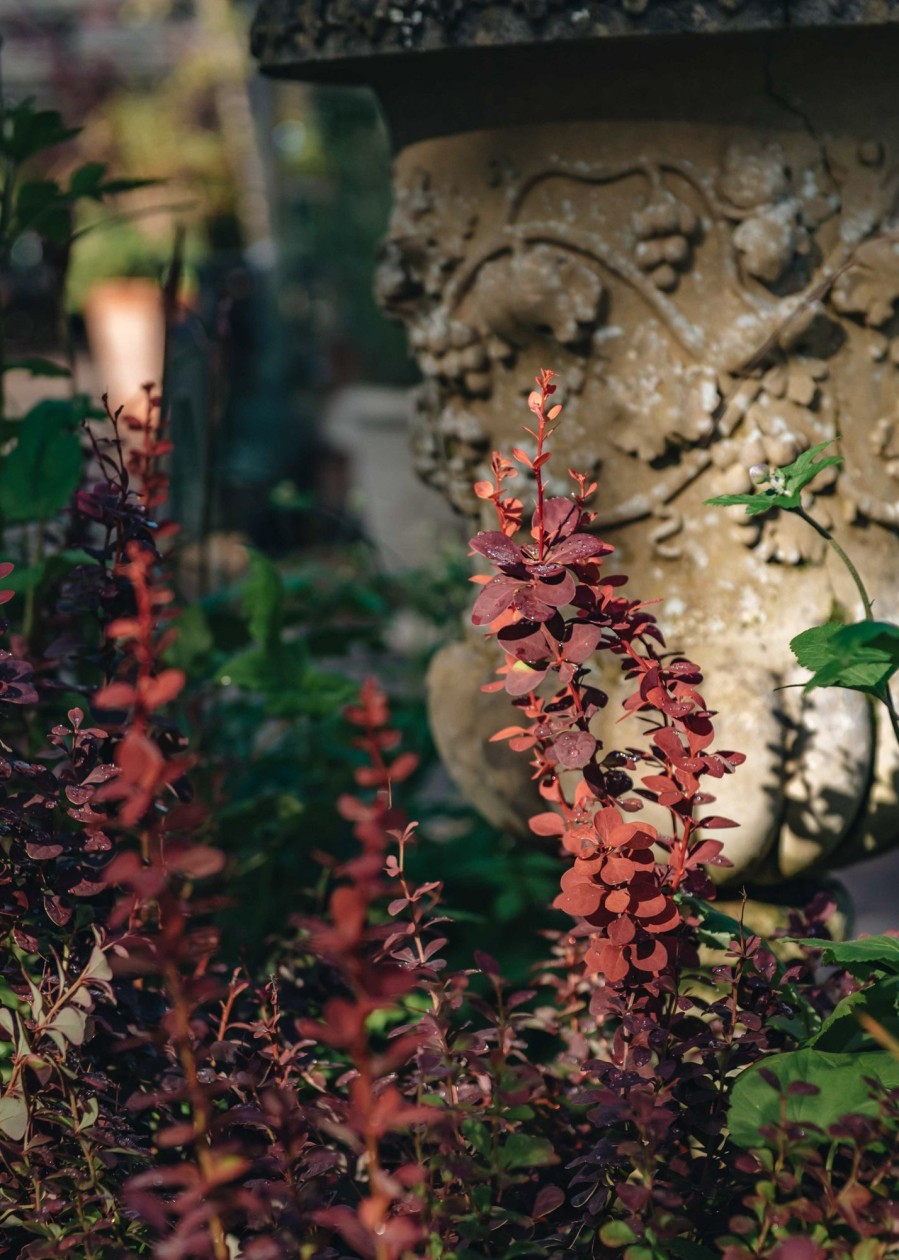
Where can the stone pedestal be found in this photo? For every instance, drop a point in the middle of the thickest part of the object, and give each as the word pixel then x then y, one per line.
pixel 697 232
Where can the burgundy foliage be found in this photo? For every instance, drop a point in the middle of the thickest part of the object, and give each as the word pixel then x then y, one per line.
pixel 366 1099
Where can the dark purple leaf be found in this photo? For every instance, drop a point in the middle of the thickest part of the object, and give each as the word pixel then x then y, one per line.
pixel 556 591
pixel 521 679
pixel 581 641
pixel 498 548
pixel 579 547
pixel 528 603
pixel 574 749
pixel 560 517
pixel 493 600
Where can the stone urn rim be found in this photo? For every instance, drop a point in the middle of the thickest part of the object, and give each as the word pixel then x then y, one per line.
pixel 355 44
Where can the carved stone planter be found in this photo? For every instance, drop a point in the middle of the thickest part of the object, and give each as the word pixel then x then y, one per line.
pixel 692 229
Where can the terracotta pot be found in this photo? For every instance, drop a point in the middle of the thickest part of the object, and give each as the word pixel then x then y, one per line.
pixel 126 336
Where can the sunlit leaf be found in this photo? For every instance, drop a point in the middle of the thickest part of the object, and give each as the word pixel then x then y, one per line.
pixel 755 1105
pixel 862 657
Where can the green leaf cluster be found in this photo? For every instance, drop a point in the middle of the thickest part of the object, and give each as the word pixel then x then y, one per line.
pixel 840 1058
pixel 278 668
pixel 863 656
pixel 841 1081
pixel 788 484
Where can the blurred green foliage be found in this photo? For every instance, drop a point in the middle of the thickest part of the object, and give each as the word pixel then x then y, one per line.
pixel 272 663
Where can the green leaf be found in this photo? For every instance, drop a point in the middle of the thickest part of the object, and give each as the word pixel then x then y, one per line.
pixel 41 473
pixel 263 601
pixel 868 1249
pixel 522 1151
pixel 36 366
pixel 42 207
pixel 87 180
pixel 14 1117
pixel 715 928
pixel 862 956
pixel 787 484
pixel 617 1234
pixel 839 1077
pixel 805 468
pixel 27 131
pixel 292 687
pixel 756 504
pixel 194 643
pixel 814 648
pixel 862 657
pixel 843 1032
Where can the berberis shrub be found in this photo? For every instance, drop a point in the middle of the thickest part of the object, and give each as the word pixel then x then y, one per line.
pixel 667 1086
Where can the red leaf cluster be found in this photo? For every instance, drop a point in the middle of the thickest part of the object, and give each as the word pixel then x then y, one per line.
pixel 551 607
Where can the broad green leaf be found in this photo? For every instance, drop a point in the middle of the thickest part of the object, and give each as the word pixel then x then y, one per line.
pixel 36 366
pixel 843 1032
pixel 41 473
pixel 861 956
pixel 522 1151
pixel 814 648
pixel 839 1078
pixel 862 657
pixel 263 601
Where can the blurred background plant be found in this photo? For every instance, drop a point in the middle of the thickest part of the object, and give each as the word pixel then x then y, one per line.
pixel 303 554
pixel 282 192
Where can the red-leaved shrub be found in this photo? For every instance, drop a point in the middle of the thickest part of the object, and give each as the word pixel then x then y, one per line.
pixel 363 1098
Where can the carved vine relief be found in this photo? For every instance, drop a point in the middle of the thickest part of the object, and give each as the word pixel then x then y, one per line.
pixel 473 300
pixel 706 312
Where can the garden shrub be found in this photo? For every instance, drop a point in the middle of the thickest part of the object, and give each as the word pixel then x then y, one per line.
pixel 664 1086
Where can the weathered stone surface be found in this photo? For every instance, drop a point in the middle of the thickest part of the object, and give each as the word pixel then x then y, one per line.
pixel 701 236
pixel 311 38
pixel 656 266
pixel 496 780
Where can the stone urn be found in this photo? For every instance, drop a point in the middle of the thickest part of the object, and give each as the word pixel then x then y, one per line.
pixel 688 209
